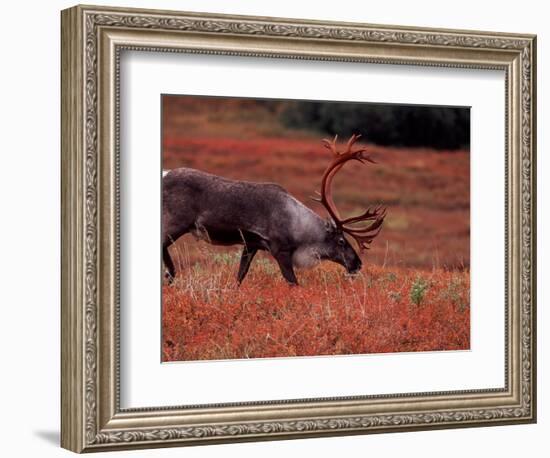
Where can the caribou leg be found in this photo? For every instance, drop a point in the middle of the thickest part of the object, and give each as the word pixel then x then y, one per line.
pixel 170 273
pixel 246 259
pixel 284 259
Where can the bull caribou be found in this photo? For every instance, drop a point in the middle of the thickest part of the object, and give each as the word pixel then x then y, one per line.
pixel 265 217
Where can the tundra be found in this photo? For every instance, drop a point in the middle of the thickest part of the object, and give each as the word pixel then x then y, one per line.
pixel 264 216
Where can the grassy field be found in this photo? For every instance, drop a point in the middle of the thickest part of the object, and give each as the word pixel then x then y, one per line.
pixel 413 291
pixel 384 309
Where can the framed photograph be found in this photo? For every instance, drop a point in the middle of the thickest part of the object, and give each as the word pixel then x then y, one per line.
pixel 278 228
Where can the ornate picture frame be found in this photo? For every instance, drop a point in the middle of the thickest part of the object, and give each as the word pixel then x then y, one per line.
pixel 92 41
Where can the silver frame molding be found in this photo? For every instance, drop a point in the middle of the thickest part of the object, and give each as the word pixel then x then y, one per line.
pixel 92 40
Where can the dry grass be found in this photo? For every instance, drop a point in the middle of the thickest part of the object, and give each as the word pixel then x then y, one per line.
pixel 207 316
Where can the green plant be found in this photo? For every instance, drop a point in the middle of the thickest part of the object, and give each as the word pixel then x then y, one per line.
pixel 456 293
pixel 418 290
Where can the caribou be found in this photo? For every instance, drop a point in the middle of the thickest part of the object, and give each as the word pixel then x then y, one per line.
pixel 265 217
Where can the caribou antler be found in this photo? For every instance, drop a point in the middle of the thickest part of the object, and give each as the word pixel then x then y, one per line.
pixel 362 235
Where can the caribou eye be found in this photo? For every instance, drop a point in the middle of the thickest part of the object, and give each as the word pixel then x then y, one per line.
pixel 341 241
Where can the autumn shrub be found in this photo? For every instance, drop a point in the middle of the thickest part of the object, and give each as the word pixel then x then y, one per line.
pixel 418 290
pixel 207 316
pixel 426 235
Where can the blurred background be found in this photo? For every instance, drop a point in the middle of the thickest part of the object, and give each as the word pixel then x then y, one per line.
pixel 422 175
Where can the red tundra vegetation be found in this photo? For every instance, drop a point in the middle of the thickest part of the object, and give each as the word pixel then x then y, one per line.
pixel 413 293
pixel 384 309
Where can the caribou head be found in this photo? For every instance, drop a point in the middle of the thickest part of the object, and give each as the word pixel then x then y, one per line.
pixel 337 227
